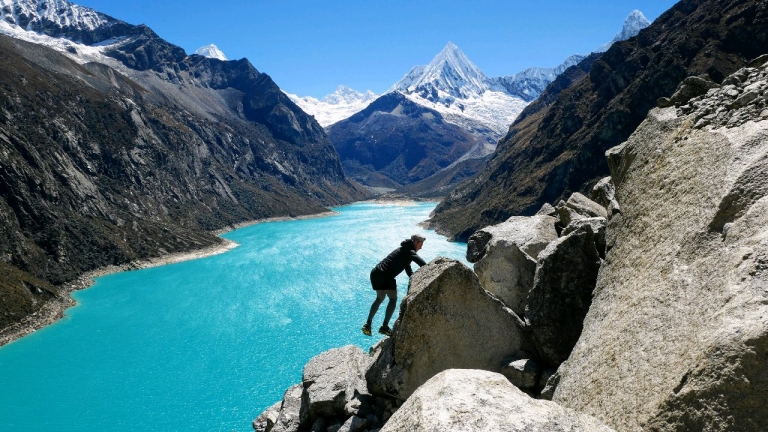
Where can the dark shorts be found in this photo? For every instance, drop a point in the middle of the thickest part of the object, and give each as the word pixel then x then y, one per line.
pixel 381 282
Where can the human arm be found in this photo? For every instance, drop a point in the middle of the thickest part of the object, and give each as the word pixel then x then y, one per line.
pixel 417 259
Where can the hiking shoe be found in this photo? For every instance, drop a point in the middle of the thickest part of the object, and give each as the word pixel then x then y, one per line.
pixel 385 330
pixel 366 329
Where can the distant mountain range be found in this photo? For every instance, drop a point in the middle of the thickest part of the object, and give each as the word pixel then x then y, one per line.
pixel 411 142
pixel 336 106
pixel 450 88
pixel 454 86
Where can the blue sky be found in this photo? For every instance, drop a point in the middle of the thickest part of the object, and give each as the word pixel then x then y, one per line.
pixel 311 47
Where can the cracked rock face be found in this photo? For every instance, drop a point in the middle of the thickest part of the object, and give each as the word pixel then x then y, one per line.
pixel 676 338
pixel 505 256
pixel 561 293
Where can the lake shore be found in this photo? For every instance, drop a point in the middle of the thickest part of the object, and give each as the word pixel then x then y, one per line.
pixel 53 310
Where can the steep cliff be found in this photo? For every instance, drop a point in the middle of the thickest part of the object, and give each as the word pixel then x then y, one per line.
pixel 676 338
pixel 555 147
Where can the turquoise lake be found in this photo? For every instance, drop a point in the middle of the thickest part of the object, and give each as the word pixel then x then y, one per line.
pixel 207 344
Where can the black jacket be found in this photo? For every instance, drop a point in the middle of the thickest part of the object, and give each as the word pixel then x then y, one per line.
pixel 399 260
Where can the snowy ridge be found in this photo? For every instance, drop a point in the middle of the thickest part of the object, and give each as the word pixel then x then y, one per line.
pixel 489 114
pixel 44 22
pixel 81 53
pixel 211 51
pixel 634 22
pixel 452 85
pixel 36 15
pixel 529 83
pixel 335 107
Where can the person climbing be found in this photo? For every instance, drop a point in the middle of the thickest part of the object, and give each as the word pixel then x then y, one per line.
pixel 383 279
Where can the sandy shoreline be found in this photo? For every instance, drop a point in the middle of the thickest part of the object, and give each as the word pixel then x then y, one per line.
pixel 398 201
pixel 54 309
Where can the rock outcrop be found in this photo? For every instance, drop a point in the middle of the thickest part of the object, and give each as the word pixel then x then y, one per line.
pixel 289 417
pixel 333 395
pixel 579 207
pixel 266 420
pixel 334 382
pixel 505 256
pixel 604 192
pixel 477 400
pixel 562 293
pixel 676 338
pixel 447 320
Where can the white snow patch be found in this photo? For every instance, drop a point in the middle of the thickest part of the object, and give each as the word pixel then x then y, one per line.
pixel 495 110
pixel 82 53
pixel 337 106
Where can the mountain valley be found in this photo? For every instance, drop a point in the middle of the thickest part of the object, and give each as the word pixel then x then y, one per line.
pixel 121 147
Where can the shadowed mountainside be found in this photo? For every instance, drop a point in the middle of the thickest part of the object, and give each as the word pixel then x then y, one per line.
pixel 102 166
pixel 399 139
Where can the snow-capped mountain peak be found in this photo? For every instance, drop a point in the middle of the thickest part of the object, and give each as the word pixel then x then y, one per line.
pixel 336 106
pixel 211 51
pixel 449 75
pixel 634 22
pixel 59 14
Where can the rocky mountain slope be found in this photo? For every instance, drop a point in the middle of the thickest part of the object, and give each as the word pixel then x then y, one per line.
pixel 410 142
pixel 554 148
pixel 116 145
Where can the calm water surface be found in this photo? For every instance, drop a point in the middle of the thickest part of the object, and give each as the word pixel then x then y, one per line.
pixel 207 344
